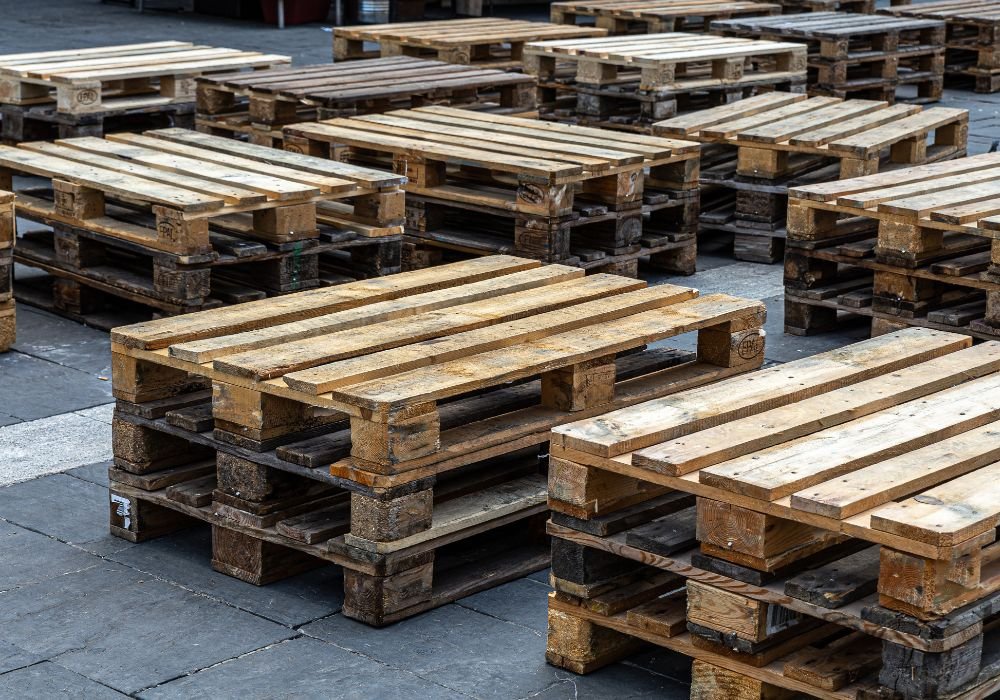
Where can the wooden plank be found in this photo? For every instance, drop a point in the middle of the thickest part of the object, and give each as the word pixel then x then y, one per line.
pixel 948 514
pixel 584 297
pixel 782 470
pixel 161 333
pixel 656 421
pixel 119 184
pixel 326 378
pixel 369 177
pixel 218 346
pixel 769 428
pixel 466 374
pixel 901 476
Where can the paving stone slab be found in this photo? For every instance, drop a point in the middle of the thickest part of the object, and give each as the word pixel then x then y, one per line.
pixel 13 657
pixel 129 630
pixel 52 682
pixel 64 507
pixel 96 473
pixel 465 650
pixel 523 602
pixel 185 558
pixel 36 388
pixel 28 558
pixel 62 341
pixel 302 668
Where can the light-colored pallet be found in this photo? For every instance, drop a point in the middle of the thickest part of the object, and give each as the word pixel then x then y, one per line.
pixel 489 42
pixel 656 16
pixel 118 78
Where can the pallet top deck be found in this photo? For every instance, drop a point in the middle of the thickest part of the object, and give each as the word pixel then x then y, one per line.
pixel 385 344
pixel 826 25
pixel 129 61
pixel 656 9
pixel 842 440
pixel 463 32
pixel 961 195
pixel 376 78
pixel 656 49
pixel 971 11
pixel 821 125
pixel 545 151
pixel 196 174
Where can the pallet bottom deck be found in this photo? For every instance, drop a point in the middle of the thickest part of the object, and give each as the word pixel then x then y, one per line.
pixel 264 554
pixel 44 123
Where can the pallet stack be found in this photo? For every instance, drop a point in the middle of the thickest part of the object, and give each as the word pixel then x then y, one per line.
pixel 825 528
pixel 482 183
pixel 854 55
pixel 758 148
pixel 628 82
pixel 653 16
pixel 175 221
pixel 258 105
pixel 973 37
pixel 393 426
pixel 8 233
pixel 915 247
pixel 791 7
pixel 489 42
pixel 91 92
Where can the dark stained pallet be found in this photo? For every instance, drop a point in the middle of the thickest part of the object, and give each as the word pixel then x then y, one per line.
pixel 645 17
pixel 258 105
pixel 972 40
pixel 857 55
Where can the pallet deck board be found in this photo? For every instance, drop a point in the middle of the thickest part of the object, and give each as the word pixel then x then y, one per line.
pixel 618 16
pixel 479 42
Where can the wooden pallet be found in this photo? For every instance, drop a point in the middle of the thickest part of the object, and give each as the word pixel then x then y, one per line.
pixel 654 16
pixel 334 387
pixel 864 7
pixel 759 147
pixel 766 493
pixel 83 92
pixel 7 237
pixel 483 183
pixel 188 182
pixel 631 81
pixel 488 42
pixel 259 104
pixel 972 39
pixel 924 215
pixel 854 55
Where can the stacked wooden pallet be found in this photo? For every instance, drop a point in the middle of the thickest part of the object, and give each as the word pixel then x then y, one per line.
pixel 90 92
pixel 259 104
pixel 483 183
pixel 757 148
pixel 826 527
pixel 7 236
pixel 972 40
pixel 854 55
pixel 790 7
pixel 175 220
pixel 489 42
pixel 918 247
pixel 381 424
pixel 628 82
pixel 655 16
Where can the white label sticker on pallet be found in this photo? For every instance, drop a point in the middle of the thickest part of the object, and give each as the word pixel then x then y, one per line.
pixel 123 509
